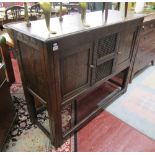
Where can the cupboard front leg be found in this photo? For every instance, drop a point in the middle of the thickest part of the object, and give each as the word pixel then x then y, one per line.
pixel 54 95
pixel 125 79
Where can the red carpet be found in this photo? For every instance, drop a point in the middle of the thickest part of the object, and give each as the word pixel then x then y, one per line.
pixel 106 133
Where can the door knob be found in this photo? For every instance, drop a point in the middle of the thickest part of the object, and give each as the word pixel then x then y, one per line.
pixel 92 66
pixel 143 27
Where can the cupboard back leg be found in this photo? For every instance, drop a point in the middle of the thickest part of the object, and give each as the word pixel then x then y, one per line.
pixel 31 106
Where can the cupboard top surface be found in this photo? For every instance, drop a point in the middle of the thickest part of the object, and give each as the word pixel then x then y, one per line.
pixel 149 17
pixel 71 24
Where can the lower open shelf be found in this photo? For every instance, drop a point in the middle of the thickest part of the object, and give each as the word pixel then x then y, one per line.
pixel 85 107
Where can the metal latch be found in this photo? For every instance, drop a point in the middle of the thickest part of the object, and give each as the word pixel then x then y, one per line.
pixel 55 47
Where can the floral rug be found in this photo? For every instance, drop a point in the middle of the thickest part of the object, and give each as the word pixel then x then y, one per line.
pixel 27 137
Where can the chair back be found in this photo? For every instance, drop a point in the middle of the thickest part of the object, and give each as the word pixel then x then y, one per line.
pixel 14 13
pixel 35 8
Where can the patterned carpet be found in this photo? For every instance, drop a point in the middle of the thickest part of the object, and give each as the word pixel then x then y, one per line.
pixel 24 135
pixel 137 106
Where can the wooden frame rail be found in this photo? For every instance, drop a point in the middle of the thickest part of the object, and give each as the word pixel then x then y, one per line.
pixel 4 49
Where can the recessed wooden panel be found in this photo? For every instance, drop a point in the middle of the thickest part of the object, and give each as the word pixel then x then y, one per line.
pixel 33 69
pixel 75 70
pixel 125 46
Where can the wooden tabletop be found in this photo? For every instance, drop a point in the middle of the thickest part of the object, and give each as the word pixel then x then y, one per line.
pixel 71 24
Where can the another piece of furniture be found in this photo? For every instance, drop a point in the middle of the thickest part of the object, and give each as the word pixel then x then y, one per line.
pixel 8 67
pixel 146 49
pixel 7 60
pixel 14 13
pixel 35 8
pixel 78 69
pixel 7 111
pixel 56 11
pixel 35 11
pixel 72 6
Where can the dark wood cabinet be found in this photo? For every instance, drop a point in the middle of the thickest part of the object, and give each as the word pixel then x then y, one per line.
pixel 146 49
pixel 62 70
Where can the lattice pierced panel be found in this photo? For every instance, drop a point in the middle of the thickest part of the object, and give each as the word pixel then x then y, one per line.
pixel 104 70
pixel 106 45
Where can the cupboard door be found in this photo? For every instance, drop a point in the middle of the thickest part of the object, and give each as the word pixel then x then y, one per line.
pixel 75 69
pixel 125 48
pixel 105 51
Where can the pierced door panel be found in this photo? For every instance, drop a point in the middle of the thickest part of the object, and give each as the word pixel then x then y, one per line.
pixel 106 45
pixel 103 70
pixel 105 50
